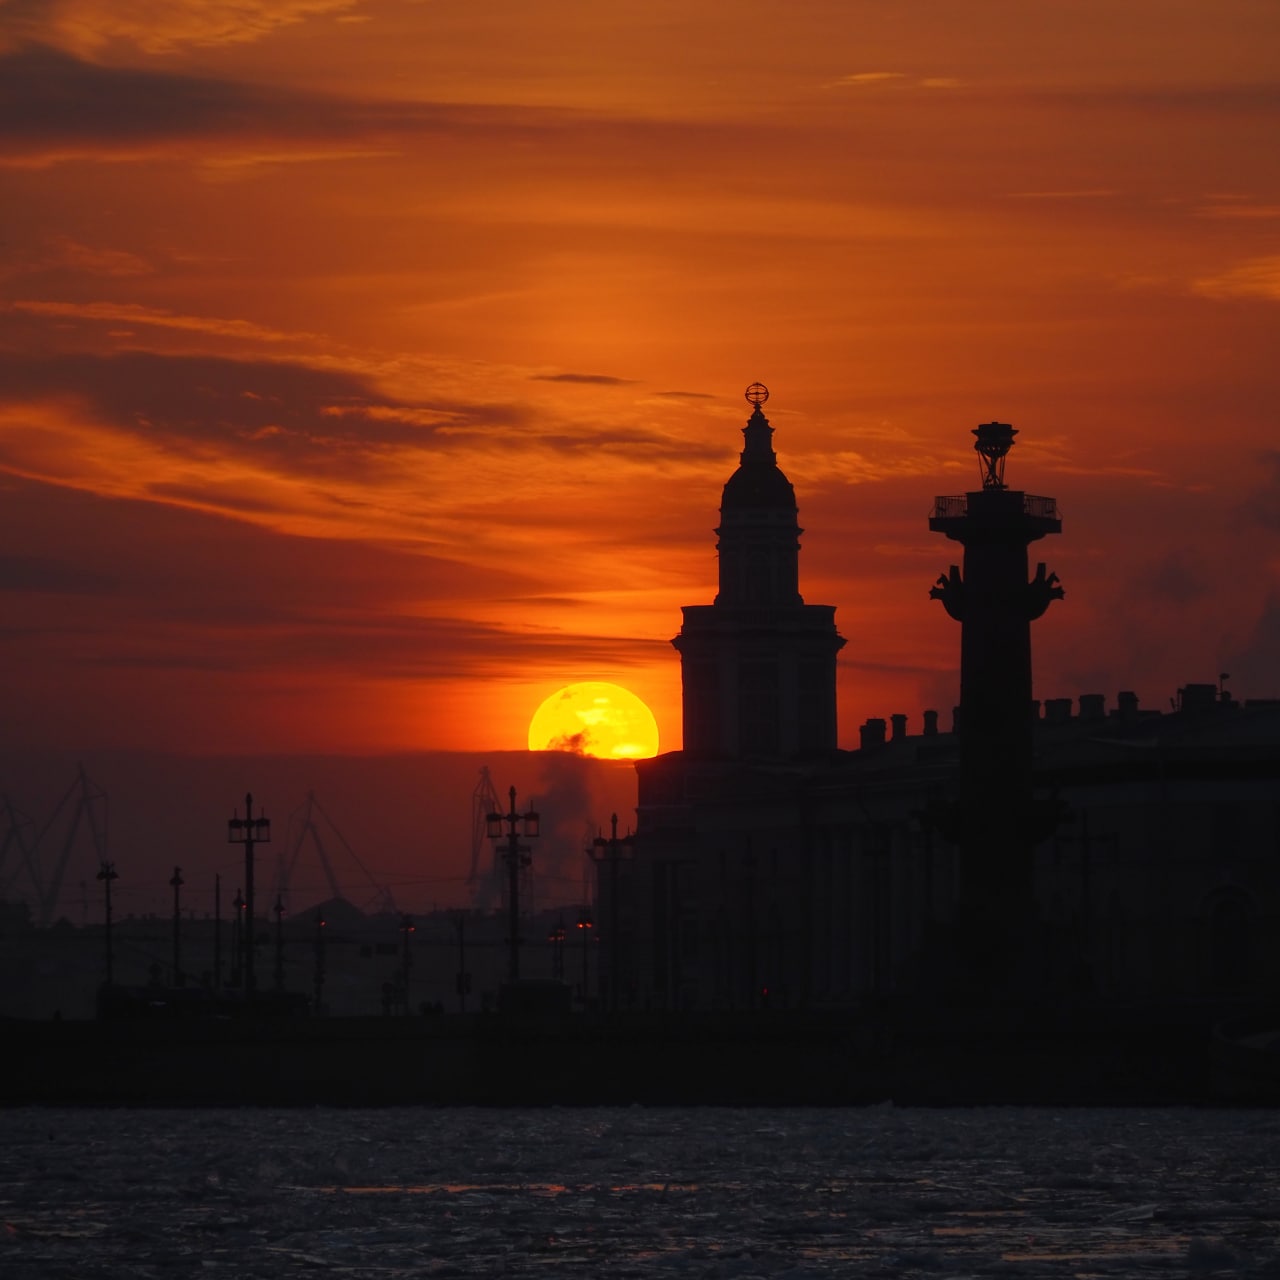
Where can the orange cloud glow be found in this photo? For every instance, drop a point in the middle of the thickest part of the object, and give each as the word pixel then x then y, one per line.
pixel 385 360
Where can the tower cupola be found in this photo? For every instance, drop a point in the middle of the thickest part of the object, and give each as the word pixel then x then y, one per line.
pixel 759 527
pixel 758 666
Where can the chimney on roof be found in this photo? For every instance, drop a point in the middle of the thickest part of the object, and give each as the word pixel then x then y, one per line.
pixel 1198 698
pixel 1057 711
pixel 899 723
pixel 1093 706
pixel 1127 705
pixel 872 734
pixel 930 724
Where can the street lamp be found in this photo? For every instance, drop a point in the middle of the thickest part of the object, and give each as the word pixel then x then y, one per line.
pixel 217 933
pixel 612 851
pixel 318 979
pixel 406 932
pixel 557 938
pixel 237 940
pixel 176 882
pixel 502 827
pixel 279 910
pixel 585 926
pixel 463 978
pixel 248 831
pixel 107 873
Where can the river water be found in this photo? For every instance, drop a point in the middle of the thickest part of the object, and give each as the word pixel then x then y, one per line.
pixel 638 1192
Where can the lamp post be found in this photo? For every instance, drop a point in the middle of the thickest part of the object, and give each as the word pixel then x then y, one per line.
pixel 319 969
pixel 585 926
pixel 237 939
pixel 406 932
pixel 463 979
pixel 557 938
pixel 611 851
pixel 248 831
pixel 217 933
pixel 279 910
pixel 502 827
pixel 176 883
pixel 107 873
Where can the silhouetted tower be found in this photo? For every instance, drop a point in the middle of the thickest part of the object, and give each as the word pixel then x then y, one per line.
pixel 996 823
pixel 758 666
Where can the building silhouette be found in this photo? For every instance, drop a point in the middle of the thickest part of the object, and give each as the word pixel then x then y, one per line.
pixel 1061 848
pixel 758 665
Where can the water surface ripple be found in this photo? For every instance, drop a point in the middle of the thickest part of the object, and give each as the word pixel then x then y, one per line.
pixel 639 1192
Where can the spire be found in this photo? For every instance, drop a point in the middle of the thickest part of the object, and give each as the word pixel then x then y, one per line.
pixel 758 481
pixel 757 435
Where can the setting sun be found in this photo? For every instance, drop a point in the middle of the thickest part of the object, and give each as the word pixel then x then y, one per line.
pixel 594 718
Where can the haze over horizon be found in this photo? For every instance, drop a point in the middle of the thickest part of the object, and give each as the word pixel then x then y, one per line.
pixel 370 369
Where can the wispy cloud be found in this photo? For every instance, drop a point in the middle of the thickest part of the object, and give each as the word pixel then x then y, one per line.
pixel 1239 211
pixel 86 26
pixel 96 261
pixel 135 314
pixel 1083 193
pixel 1257 279
pixel 55 107
pixel 589 379
pixel 865 78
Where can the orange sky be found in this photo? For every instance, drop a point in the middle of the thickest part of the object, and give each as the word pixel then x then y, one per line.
pixel 370 368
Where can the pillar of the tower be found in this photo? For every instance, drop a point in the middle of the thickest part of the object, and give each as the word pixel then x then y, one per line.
pixel 995 820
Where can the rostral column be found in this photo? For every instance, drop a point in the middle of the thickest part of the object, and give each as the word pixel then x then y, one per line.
pixel 995 820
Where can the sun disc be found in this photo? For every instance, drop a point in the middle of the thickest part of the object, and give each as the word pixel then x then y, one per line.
pixel 595 718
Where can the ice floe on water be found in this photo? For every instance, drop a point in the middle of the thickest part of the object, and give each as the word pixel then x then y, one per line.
pixel 723 1194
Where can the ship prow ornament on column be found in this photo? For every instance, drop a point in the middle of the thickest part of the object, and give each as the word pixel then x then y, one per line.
pixel 995 818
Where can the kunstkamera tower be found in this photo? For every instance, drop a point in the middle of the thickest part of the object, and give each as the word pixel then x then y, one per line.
pixel 758 666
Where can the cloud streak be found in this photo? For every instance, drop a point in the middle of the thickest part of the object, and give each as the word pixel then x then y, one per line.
pixel 87 26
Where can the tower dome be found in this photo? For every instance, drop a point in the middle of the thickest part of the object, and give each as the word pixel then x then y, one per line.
pixel 758 481
pixel 759 529
pixel 758 666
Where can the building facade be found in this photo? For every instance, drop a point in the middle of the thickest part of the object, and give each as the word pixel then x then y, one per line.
pixel 772 869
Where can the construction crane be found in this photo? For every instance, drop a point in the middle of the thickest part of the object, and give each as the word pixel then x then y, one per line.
pixel 85 803
pixel 485 886
pixel 16 827
pixel 303 824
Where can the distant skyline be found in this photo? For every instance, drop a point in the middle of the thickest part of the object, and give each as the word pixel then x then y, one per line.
pixel 370 369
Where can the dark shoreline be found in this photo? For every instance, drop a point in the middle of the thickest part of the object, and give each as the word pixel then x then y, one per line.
pixel 910 1057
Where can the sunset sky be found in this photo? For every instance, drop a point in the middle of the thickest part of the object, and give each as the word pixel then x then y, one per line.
pixel 371 368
